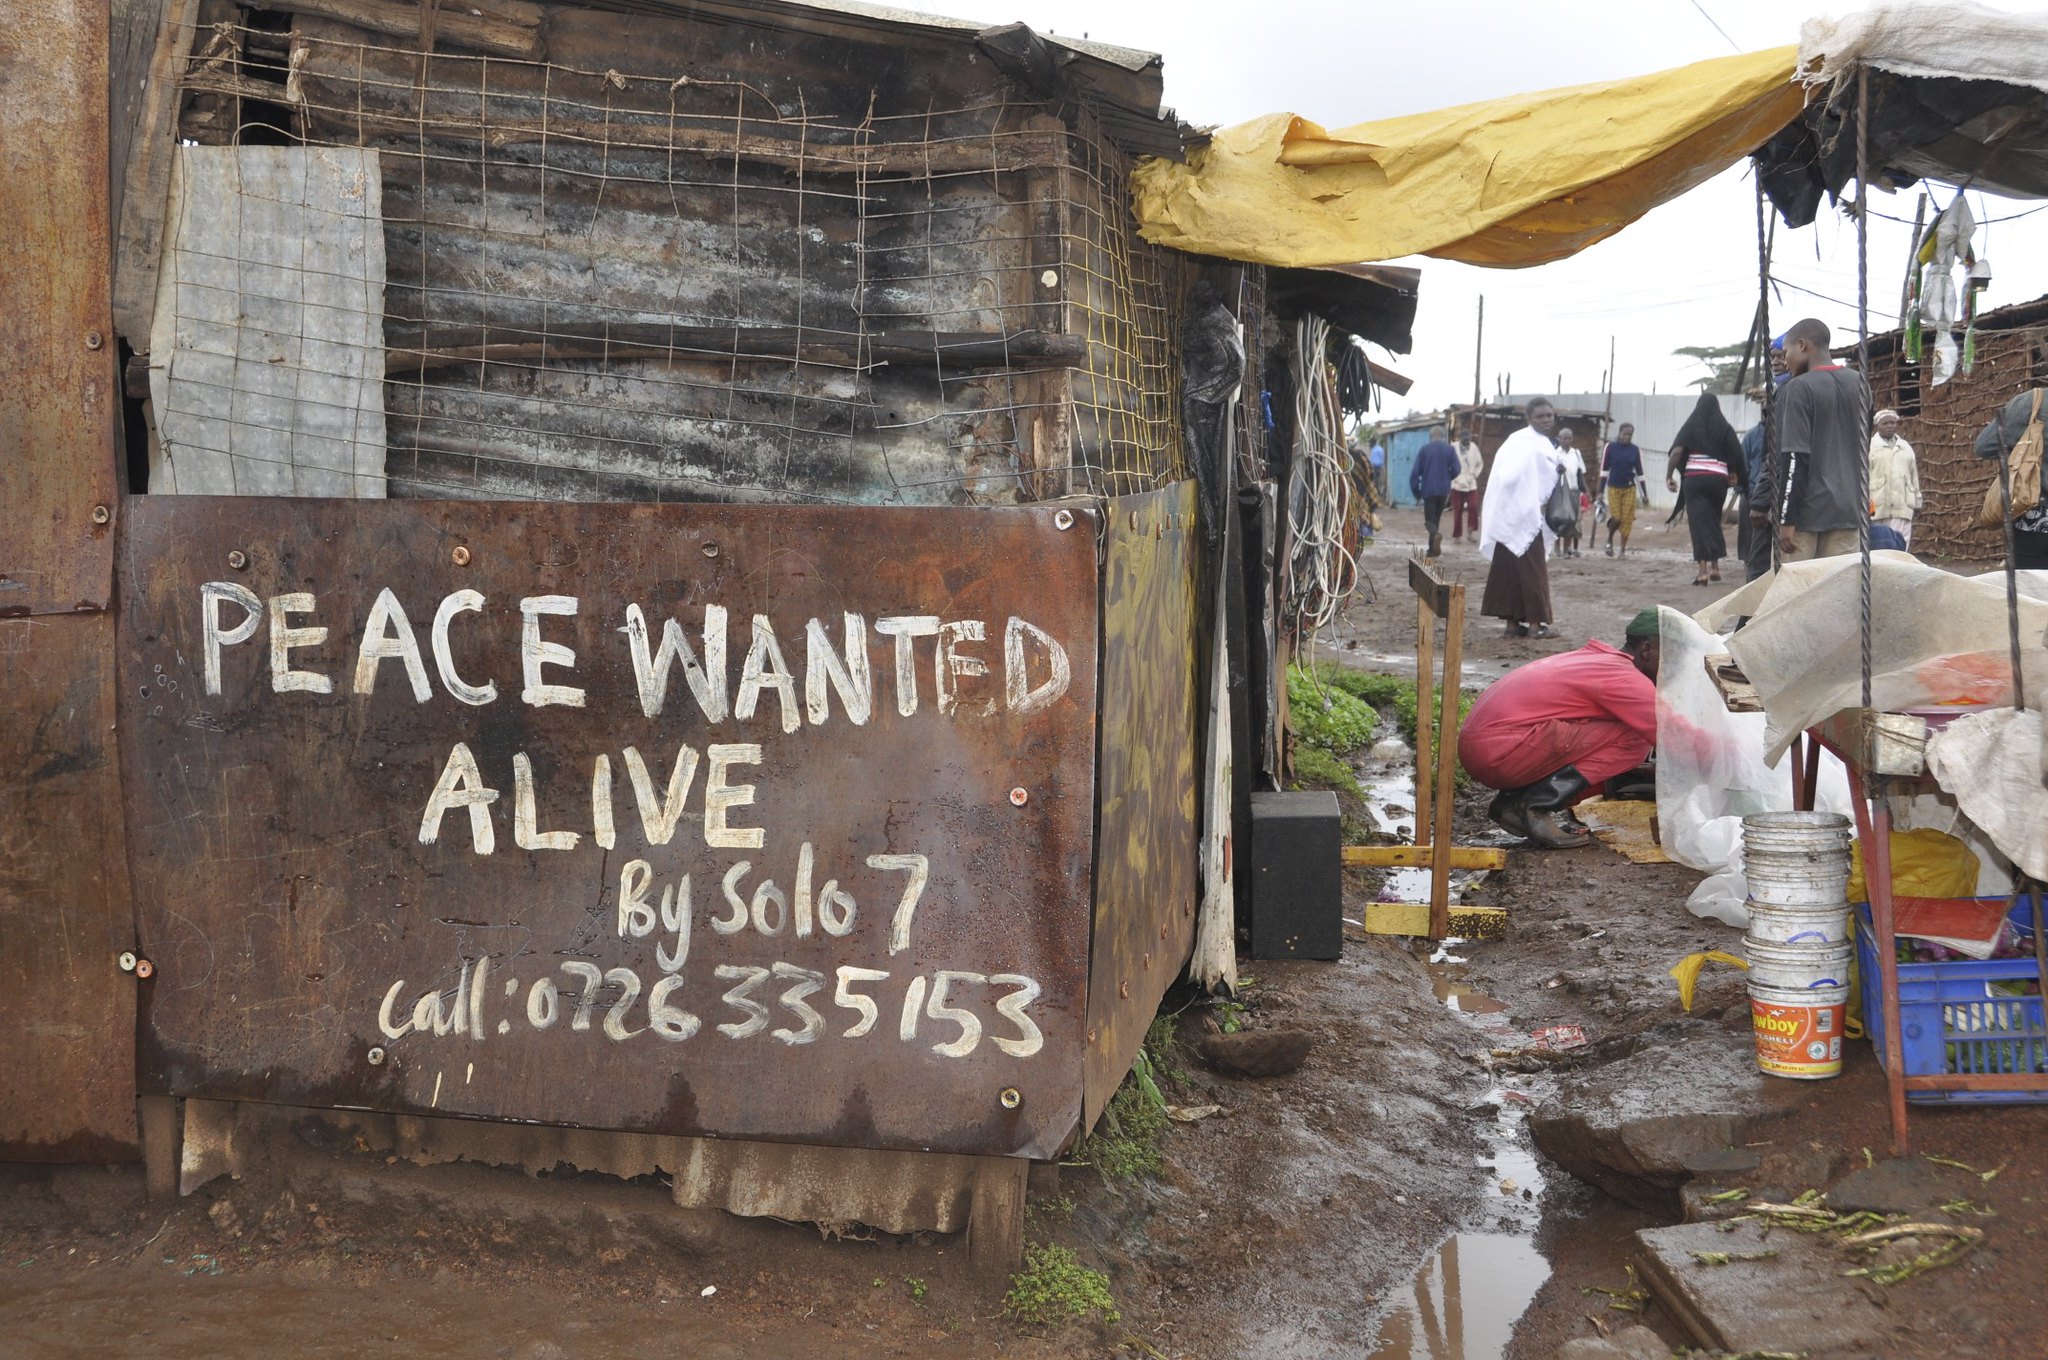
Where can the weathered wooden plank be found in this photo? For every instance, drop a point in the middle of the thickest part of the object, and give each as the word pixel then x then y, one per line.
pixel 347 89
pixel 60 401
pixel 1412 918
pixel 444 347
pixel 509 28
pixel 134 37
pixel 1417 856
pixel 636 431
pixel 67 1086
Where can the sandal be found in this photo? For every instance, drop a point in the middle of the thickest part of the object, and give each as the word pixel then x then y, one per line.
pixel 1544 630
pixel 1515 630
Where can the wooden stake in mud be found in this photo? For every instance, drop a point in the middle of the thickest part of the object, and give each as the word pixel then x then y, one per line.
pixel 1446 764
pixel 1436 781
pixel 1425 667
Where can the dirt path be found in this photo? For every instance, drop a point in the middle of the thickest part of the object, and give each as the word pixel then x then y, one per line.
pixel 1595 596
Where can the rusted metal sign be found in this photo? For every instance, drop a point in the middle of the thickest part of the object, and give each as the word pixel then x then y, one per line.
pixel 759 822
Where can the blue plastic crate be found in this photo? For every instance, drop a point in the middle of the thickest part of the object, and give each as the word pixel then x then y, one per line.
pixel 1951 1020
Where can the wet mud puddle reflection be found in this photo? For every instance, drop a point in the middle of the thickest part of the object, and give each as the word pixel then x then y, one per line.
pixel 1466 1298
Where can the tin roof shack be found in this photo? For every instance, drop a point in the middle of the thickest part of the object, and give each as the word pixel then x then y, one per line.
pixel 658 591
pixel 1942 423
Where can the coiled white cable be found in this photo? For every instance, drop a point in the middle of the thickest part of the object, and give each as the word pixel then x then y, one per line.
pixel 1322 570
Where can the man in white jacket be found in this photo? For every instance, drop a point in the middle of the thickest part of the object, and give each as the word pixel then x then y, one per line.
pixel 1894 478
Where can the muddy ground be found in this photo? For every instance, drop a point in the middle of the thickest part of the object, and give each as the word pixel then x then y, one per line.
pixel 1384 1201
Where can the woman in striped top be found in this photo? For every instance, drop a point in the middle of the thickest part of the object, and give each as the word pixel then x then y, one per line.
pixel 1707 455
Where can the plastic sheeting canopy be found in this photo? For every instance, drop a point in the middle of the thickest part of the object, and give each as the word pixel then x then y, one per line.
pixel 1510 182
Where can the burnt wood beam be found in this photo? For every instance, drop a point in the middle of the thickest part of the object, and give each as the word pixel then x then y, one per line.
pixel 501 28
pixel 413 351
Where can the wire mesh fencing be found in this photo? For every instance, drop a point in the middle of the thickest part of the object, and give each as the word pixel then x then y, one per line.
pixel 606 285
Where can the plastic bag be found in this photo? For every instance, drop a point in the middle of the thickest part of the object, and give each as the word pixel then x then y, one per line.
pixel 1925 863
pixel 1687 972
pixel 1561 511
pixel 1711 772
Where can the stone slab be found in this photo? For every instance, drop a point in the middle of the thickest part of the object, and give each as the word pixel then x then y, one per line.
pixel 1636 1127
pixel 1795 1302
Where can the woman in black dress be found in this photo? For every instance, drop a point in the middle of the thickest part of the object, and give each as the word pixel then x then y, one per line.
pixel 1706 458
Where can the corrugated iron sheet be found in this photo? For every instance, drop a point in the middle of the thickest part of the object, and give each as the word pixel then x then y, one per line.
pixel 310 947
pixel 1145 890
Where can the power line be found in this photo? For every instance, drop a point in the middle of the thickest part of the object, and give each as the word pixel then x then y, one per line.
pixel 1982 221
pixel 1717 27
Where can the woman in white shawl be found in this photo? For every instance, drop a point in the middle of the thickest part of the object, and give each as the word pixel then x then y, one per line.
pixel 1512 531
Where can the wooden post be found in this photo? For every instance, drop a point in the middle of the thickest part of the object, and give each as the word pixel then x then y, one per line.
pixel 995 1215
pixel 1446 766
pixel 1425 665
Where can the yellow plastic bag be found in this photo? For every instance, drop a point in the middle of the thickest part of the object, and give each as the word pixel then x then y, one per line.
pixel 1925 863
pixel 1687 972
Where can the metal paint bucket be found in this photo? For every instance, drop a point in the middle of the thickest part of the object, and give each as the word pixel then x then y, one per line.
pixel 1796 967
pixel 1798 1032
pixel 1776 923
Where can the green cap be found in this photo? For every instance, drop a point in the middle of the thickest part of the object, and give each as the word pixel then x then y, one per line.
pixel 1643 625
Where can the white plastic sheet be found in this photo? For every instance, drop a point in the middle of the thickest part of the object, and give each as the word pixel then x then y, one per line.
pixel 1935 637
pixel 1711 772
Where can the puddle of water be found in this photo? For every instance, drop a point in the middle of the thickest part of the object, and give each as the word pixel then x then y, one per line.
pixel 1465 1300
pixel 1464 1000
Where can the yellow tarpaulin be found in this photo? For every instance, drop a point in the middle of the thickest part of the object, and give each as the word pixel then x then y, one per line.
pixel 1510 182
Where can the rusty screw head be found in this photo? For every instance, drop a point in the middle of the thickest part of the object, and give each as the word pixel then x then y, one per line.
pixel 144 968
pixel 460 555
pixel 100 514
pixel 237 558
pixel 127 960
pixel 1019 796
pixel 376 1057
pixel 711 550
pixel 1063 520
pixel 93 340
pixel 1011 1097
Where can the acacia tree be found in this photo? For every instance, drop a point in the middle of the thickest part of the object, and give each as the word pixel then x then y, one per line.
pixel 1723 362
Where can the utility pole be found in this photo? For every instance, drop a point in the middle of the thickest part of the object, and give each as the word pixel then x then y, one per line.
pixel 1610 377
pixel 1478 348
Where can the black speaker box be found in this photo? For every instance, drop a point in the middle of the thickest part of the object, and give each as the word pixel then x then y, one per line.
pixel 1297 876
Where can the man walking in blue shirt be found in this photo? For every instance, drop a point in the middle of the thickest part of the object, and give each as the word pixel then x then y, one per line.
pixel 1436 467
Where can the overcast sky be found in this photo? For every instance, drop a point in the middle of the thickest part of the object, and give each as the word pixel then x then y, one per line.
pixel 1683 275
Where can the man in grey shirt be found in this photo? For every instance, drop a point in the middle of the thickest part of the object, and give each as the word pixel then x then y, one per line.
pixel 1823 415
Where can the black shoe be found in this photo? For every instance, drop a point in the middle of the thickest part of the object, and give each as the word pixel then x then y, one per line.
pixel 1506 812
pixel 1557 793
pixel 1550 830
pixel 1436 545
